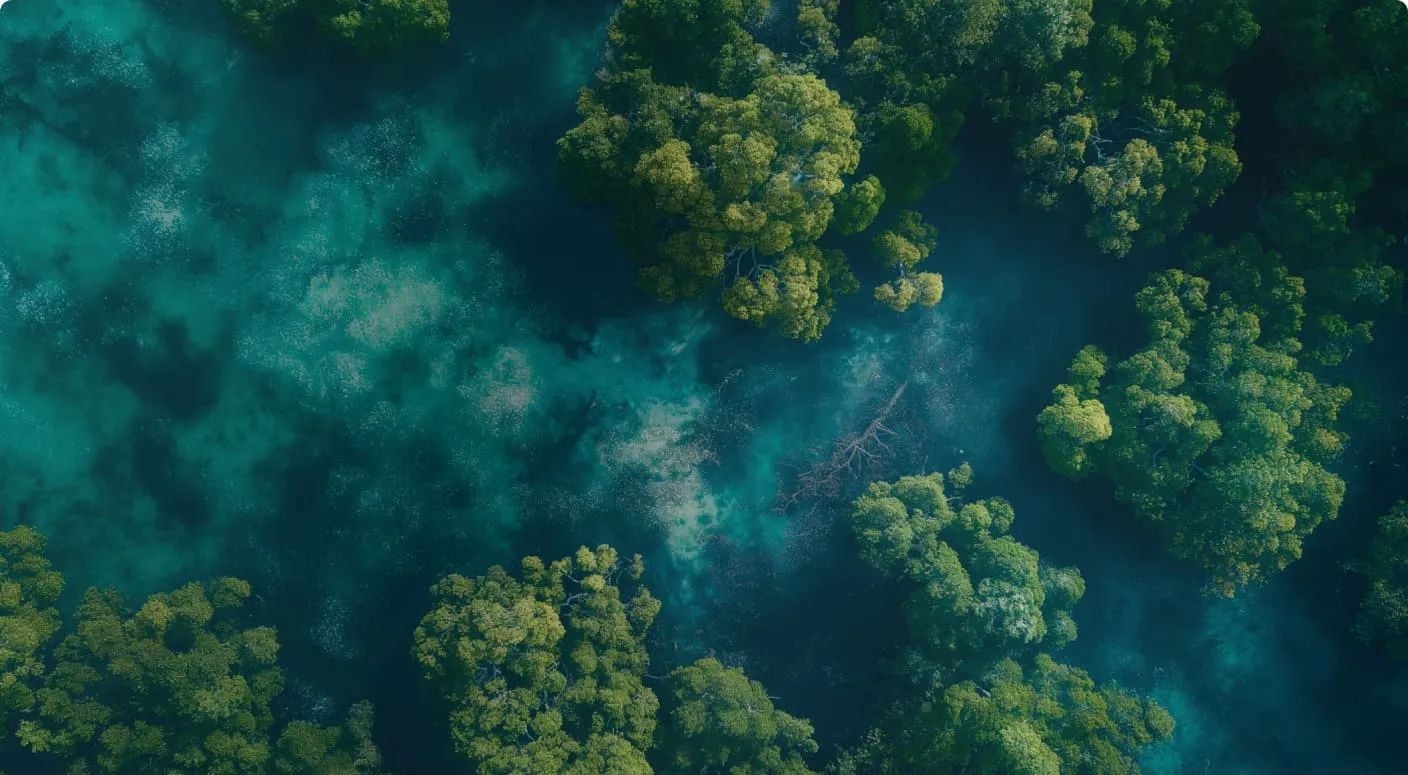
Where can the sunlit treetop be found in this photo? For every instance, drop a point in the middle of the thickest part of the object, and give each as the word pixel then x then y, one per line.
pixel 901 247
pixel 179 685
pixel 984 697
pixel 725 163
pixel 976 591
pixel 544 674
pixel 1136 118
pixel 717 720
pixel 1211 431
pixel 29 588
pixel 720 193
pixel 1047 719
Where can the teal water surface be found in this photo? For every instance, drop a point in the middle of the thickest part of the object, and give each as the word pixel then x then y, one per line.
pixel 338 329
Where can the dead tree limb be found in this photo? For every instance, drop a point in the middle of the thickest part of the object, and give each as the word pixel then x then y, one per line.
pixel 852 456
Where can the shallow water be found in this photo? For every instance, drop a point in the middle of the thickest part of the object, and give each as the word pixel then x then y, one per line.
pixel 340 331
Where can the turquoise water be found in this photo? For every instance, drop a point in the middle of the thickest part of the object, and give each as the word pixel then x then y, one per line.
pixel 339 330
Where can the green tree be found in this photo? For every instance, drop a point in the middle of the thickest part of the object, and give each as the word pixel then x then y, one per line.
pixel 264 21
pixel 1344 97
pixel 1211 431
pixel 981 610
pixel 1135 115
pixel 309 749
pixel 706 43
pixel 909 105
pixel 381 25
pixel 858 204
pixel 1120 101
pixel 1384 613
pixel 1346 278
pixel 544 675
pixel 1049 719
pixel 816 25
pixel 1075 420
pixel 711 189
pixel 719 721
pixel 178 685
pixel 373 26
pixel 29 588
pixel 976 591
pixel 902 246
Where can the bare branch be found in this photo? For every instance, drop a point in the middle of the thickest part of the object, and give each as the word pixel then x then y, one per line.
pixel 851 455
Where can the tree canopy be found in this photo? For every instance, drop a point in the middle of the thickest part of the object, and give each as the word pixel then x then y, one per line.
pixel 977 590
pixel 721 721
pixel 1211 431
pixel 1046 719
pixel 29 588
pixel 1384 614
pixel 981 611
pixel 1122 102
pixel 725 166
pixel 178 685
pixel 544 675
pixel 372 26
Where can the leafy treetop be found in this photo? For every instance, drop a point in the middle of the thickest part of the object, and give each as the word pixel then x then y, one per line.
pixel 1384 615
pixel 372 26
pixel 544 675
pixel 1211 431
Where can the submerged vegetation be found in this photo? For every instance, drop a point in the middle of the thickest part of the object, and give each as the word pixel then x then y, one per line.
pixel 727 162
pixel 1245 160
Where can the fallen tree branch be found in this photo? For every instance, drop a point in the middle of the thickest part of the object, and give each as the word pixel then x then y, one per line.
pixel 852 456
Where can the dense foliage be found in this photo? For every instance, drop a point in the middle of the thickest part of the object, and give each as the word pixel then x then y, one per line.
pixel 1384 616
pixel 720 721
pixel 547 673
pixel 978 591
pixel 1212 431
pixel 178 685
pixel 725 166
pixel 711 187
pixel 1123 102
pixel 29 588
pixel 981 611
pixel 759 161
pixel 372 26
pixel 1119 101
pixel 544 675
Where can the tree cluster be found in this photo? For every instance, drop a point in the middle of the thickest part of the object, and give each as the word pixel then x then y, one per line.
pixel 1384 614
pixel 982 610
pixel 1212 431
pixel 371 26
pixel 726 164
pixel 180 684
pixel 547 671
pixel 1122 102
pixel 547 675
